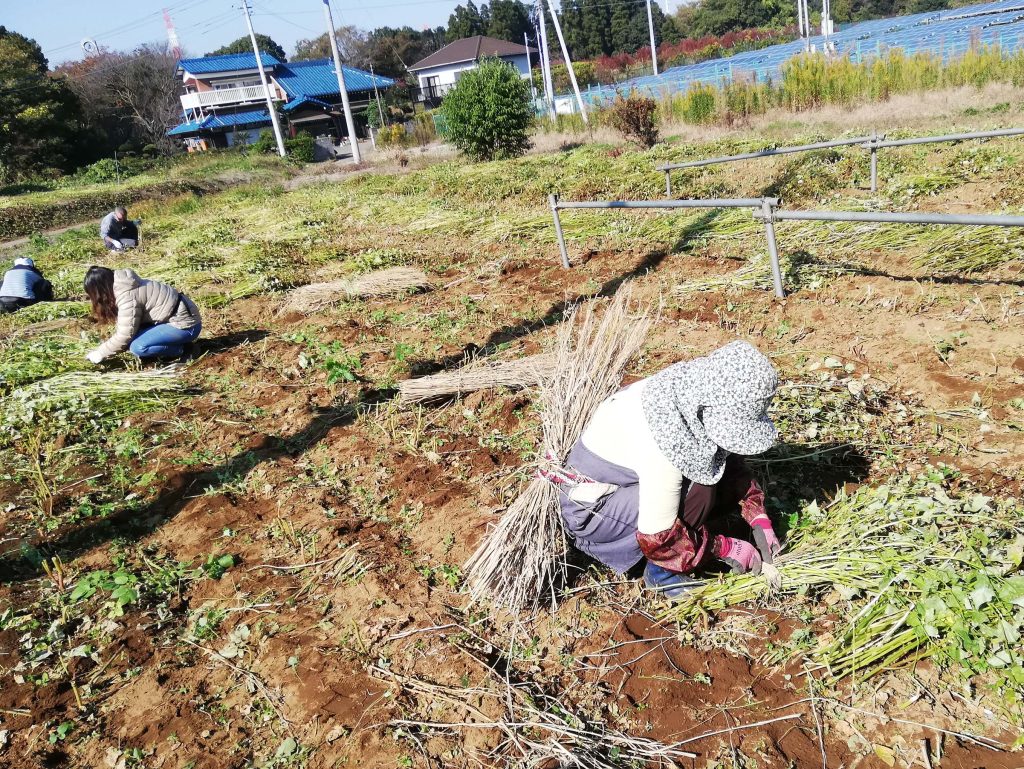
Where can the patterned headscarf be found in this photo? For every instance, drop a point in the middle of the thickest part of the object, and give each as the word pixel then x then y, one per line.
pixel 702 410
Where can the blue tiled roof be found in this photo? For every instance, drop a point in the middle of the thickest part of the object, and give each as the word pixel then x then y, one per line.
pixel 300 100
pixel 317 78
pixel 226 63
pixel 250 117
pixel 253 116
pixel 191 127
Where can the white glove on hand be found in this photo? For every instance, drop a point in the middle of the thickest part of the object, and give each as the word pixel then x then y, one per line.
pixel 95 357
pixel 118 245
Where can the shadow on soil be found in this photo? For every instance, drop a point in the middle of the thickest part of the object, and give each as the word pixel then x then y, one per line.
pixel 804 258
pixel 130 524
pixel 556 313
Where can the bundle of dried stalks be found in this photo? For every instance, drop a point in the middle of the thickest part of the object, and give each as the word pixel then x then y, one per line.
pixel 522 559
pixel 389 282
pixel 478 375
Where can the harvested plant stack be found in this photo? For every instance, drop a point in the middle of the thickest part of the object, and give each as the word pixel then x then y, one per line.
pixel 925 574
pixel 389 282
pixel 478 375
pixel 521 560
pixel 757 274
pixel 70 401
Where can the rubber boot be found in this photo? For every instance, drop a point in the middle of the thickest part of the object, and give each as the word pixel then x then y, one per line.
pixel 670 584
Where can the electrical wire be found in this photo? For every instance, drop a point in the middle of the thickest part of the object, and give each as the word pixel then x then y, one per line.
pixel 180 7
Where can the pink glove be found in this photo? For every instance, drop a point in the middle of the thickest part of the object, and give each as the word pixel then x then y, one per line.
pixel 742 557
pixel 765 538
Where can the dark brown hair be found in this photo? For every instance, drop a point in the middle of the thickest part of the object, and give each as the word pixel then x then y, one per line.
pixel 99 286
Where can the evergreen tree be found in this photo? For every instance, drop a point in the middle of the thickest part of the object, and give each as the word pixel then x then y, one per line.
pixel 41 119
pixel 510 20
pixel 244 45
pixel 467 21
pixel 620 32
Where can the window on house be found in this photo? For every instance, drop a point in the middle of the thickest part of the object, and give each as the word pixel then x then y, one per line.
pixel 433 87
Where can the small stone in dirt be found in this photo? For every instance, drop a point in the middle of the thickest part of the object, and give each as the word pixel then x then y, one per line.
pixel 115 758
pixel 336 733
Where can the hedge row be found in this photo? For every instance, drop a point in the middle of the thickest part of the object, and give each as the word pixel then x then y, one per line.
pixel 19 221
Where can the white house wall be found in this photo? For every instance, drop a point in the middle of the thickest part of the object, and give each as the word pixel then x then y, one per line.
pixel 446 74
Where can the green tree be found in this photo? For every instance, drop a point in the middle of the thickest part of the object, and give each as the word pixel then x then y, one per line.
pixel 391 50
pixel 488 114
pixel 510 20
pixel 467 21
pixel 244 45
pixel 41 122
pixel 716 17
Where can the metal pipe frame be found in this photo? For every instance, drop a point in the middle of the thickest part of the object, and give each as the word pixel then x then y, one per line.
pixel 670 167
pixel 882 143
pixel 766 153
pixel 977 220
pixel 766 206
pixel 709 203
pixel 766 209
pixel 871 143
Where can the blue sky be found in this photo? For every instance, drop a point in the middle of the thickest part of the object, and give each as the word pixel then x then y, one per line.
pixel 59 26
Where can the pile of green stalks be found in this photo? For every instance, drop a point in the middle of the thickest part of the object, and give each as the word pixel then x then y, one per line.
pixel 798 271
pixel 71 403
pixel 908 571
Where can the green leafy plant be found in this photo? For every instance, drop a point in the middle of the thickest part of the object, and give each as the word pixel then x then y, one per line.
pixel 344 368
pixel 301 148
pixel 488 113
pixel 216 566
pixel 120 584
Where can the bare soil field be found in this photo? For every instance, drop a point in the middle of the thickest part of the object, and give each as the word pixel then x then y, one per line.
pixel 293 537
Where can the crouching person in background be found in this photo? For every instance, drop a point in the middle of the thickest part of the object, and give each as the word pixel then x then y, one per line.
pixel 118 231
pixel 660 465
pixel 23 286
pixel 152 319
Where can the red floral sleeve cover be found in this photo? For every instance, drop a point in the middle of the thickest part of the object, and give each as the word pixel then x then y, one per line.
pixel 685 546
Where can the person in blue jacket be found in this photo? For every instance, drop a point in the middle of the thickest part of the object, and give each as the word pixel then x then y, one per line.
pixel 23 285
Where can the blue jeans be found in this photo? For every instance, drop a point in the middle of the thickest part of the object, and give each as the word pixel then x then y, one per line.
pixel 163 341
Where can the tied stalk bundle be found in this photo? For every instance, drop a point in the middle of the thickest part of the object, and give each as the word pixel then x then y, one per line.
pixel 478 375
pixel 522 559
pixel 393 281
pixel 922 574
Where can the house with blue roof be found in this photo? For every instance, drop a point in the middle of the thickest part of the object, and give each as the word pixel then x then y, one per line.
pixel 223 101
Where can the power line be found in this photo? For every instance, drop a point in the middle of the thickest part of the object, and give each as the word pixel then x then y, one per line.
pixel 185 5
pixel 207 25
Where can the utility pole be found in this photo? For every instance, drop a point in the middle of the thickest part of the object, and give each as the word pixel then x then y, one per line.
pixel 568 62
pixel 654 47
pixel 800 23
pixel 376 96
pixel 340 72
pixel 529 65
pixel 263 79
pixel 545 60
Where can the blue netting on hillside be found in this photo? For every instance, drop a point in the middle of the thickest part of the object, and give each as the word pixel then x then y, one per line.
pixel 949 34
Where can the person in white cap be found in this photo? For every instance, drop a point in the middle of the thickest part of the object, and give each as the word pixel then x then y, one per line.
pixel 23 285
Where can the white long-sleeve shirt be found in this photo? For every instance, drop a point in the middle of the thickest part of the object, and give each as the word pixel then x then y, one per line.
pixel 618 432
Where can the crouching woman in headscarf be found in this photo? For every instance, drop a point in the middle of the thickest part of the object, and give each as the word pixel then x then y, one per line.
pixel 662 459
pixel 152 319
